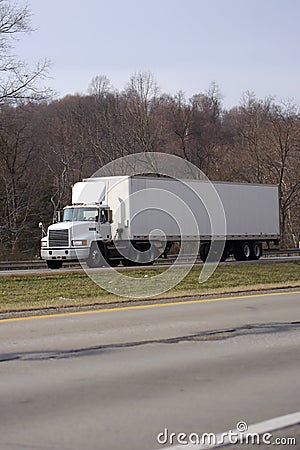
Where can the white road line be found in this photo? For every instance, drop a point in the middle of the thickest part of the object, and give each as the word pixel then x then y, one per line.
pixel 258 428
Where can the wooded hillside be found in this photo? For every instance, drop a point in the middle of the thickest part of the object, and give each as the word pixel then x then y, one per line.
pixel 47 146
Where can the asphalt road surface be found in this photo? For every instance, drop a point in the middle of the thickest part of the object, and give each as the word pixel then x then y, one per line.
pixel 115 379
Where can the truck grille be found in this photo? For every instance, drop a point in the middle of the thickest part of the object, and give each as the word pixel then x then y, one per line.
pixel 58 238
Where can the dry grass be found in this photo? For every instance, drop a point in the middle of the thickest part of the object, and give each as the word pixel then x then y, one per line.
pixel 77 289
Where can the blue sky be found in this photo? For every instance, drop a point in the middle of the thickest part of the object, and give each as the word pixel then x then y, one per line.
pixel 239 44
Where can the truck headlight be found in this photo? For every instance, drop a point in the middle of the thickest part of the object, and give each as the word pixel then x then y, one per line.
pixel 79 243
pixel 43 243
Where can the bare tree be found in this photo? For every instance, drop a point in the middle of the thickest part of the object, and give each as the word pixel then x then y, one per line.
pixel 197 125
pixel 18 174
pixel 106 135
pixel 17 81
pixel 64 146
pixel 126 122
pixel 266 149
pixel 283 164
pixel 142 102
pixel 100 86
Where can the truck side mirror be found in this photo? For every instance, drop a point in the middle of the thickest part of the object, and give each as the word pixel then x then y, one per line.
pixel 41 227
pixel 57 217
pixel 110 216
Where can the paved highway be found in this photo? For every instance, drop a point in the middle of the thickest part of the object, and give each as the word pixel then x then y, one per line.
pixel 115 379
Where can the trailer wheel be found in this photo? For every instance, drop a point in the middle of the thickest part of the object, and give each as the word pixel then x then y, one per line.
pixel 96 258
pixel 256 250
pixel 242 251
pixel 54 264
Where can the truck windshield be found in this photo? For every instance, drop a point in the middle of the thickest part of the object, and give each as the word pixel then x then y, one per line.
pixel 80 214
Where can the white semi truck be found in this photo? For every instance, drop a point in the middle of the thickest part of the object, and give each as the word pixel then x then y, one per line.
pixel 135 219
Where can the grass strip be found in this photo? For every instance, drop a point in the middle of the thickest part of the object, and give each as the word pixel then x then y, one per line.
pixel 19 293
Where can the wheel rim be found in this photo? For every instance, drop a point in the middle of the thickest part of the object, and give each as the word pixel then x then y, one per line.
pixel 256 250
pixel 96 256
pixel 247 250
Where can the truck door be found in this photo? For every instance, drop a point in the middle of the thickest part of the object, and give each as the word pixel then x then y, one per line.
pixel 105 227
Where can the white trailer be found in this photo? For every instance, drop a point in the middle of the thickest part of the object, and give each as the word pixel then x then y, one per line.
pixel 137 219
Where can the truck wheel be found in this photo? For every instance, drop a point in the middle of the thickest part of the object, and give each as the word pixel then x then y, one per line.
pixel 128 263
pixel 113 262
pixel 152 258
pixel 224 255
pixel 96 258
pixel 256 250
pixel 242 251
pixel 54 264
pixel 204 250
pixel 148 263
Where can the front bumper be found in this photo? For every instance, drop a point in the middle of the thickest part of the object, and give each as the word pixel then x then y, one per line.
pixel 65 254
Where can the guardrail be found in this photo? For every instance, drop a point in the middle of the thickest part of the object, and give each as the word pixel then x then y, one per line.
pixel 29 265
pixel 40 264
pixel 282 252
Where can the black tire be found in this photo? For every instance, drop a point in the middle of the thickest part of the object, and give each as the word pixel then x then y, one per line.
pixel 242 251
pixel 96 258
pixel 54 264
pixel 152 258
pixel 113 262
pixel 256 250
pixel 204 250
pixel 148 263
pixel 136 254
pixel 128 263
pixel 224 255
